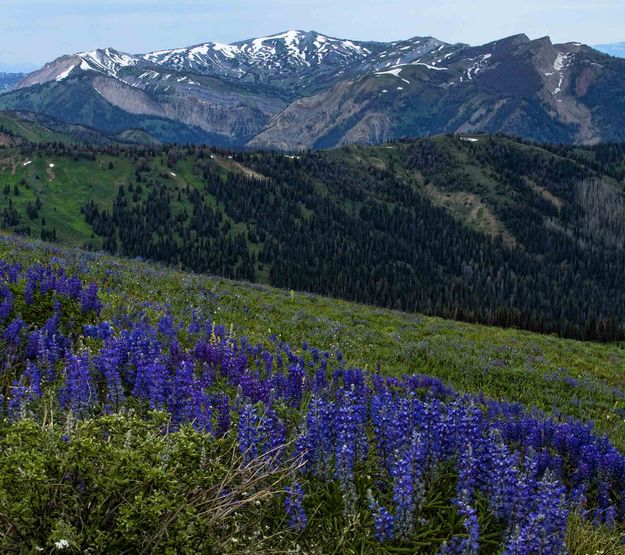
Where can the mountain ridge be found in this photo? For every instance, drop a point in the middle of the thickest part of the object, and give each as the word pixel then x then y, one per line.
pixel 301 89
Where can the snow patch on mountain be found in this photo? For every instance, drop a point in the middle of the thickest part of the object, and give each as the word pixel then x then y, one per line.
pixel 107 61
pixel 65 74
pixel 429 66
pixel 560 64
pixel 286 52
pixel 395 72
pixel 478 66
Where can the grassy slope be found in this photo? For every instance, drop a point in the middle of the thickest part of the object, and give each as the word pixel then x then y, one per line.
pixel 67 187
pixel 584 380
pixel 63 190
pixel 30 131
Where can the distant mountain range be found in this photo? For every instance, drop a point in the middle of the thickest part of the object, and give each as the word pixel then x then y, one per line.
pixel 9 80
pixel 298 90
pixel 614 49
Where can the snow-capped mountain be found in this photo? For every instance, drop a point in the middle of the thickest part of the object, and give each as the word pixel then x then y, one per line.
pixel 300 89
pixel 267 59
pixel 293 58
pixel 107 61
pixel 290 61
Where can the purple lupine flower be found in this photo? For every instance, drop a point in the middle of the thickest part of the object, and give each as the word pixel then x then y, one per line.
pixel 167 326
pixel 6 306
pixel 102 331
pixel 157 379
pixel 89 300
pixel 251 387
pixel 544 528
pixel 318 439
pixel 469 545
pixel 221 405
pixel 24 391
pixel 90 331
pixel 78 391
pixel 501 478
pixel 321 381
pixel 408 488
pixel 107 363
pixel 294 507
pixel 18 396
pixel 467 467
pixel 248 433
pixel 267 362
pixel 346 423
pixel 12 334
pixel 383 521
pixel 194 326
pixel 181 394
pixel 434 430
pixel 151 383
pixel 33 344
pixel 201 409
pixel 33 376
pixel 30 290
pixel 295 385
pixel 346 426
pixel 386 433
pixel 273 433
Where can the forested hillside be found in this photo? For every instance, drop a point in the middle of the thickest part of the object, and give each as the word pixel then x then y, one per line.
pixel 481 228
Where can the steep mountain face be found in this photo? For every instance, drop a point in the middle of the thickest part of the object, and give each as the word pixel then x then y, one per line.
pixel 533 89
pixel 114 92
pixel 615 49
pixel 299 90
pixel 9 80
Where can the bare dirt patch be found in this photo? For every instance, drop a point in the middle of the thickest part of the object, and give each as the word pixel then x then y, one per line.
pixel 233 165
pixel 469 208
pixel 547 195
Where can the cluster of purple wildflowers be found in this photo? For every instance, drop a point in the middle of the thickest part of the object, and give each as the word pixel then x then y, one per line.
pixel 294 507
pixel 528 470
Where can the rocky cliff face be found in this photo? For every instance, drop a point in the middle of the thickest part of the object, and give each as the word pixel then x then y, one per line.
pixel 299 90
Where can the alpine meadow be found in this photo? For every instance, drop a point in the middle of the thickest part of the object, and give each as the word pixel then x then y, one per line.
pixel 298 294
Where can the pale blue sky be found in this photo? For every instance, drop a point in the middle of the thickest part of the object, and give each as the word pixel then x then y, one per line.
pixel 37 31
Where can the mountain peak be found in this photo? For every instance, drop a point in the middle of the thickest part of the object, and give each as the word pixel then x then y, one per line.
pixel 512 40
pixel 303 89
pixel 285 57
